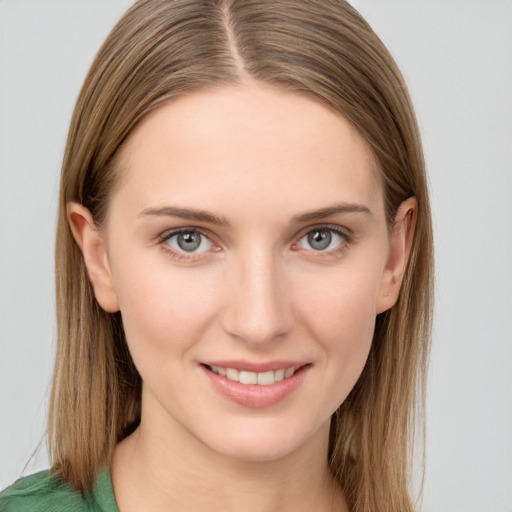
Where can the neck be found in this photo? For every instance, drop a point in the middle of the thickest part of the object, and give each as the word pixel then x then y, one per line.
pixel 161 470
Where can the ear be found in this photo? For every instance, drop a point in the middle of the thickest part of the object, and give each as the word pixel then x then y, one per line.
pixel 401 238
pixel 92 244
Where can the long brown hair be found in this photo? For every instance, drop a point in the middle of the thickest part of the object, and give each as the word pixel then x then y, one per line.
pixel 161 49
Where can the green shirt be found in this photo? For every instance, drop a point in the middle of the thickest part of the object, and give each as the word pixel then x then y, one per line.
pixel 44 492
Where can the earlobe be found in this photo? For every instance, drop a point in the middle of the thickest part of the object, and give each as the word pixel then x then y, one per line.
pixel 402 235
pixel 92 245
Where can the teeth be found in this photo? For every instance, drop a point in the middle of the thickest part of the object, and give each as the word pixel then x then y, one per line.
pixel 279 375
pixel 232 374
pixel 248 377
pixel 266 378
pixel 263 378
pixel 289 372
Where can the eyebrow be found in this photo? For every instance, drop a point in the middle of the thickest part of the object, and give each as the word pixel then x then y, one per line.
pixel 204 216
pixel 185 213
pixel 335 209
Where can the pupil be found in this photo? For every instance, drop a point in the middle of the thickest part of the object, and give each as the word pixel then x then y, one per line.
pixel 319 240
pixel 189 241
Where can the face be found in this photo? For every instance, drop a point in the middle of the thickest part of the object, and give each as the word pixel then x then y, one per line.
pixel 247 250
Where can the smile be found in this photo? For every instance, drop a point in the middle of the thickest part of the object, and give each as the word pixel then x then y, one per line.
pixel 255 385
pixel 261 378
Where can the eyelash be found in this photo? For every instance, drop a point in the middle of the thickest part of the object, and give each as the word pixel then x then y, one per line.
pixel 338 251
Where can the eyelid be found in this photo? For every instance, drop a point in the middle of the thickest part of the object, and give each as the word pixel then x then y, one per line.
pixel 168 233
pixel 340 230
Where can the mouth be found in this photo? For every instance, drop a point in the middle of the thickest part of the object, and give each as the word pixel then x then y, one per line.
pixel 261 378
pixel 256 385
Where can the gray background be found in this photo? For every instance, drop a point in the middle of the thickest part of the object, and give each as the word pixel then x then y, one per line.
pixel 457 58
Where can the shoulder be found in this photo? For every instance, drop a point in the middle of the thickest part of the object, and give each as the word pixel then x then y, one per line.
pixel 44 492
pixel 41 492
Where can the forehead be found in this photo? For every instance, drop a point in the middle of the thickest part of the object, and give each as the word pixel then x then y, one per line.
pixel 228 146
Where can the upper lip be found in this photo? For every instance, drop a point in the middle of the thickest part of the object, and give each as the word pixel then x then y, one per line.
pixel 257 367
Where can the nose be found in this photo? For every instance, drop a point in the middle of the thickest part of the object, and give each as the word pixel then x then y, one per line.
pixel 258 306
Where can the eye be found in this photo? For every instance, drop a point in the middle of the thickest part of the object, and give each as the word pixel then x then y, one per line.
pixel 189 241
pixel 322 239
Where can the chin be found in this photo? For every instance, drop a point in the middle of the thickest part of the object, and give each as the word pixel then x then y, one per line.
pixel 263 442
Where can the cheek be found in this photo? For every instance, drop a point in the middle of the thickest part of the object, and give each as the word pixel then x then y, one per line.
pixel 343 306
pixel 341 318
pixel 163 307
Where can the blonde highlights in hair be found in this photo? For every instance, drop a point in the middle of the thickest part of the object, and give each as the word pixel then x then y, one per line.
pixel 159 50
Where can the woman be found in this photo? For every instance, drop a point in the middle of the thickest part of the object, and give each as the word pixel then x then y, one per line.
pixel 244 260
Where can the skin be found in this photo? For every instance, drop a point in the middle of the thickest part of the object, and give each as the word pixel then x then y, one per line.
pixel 256 290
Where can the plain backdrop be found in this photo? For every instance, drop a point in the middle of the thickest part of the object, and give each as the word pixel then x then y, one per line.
pixel 456 56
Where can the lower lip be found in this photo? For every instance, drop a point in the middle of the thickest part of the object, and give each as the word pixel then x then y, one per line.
pixel 254 395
